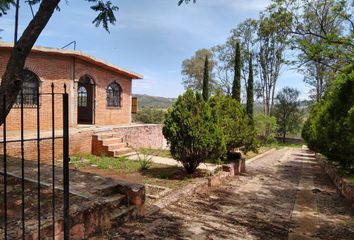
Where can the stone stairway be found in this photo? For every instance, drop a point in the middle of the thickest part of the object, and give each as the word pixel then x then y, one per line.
pixel 110 144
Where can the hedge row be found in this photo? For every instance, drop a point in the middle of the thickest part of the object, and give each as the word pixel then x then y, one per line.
pixel 330 126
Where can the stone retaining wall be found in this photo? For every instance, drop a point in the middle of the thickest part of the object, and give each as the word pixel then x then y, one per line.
pixel 137 136
pixel 200 186
pixel 345 187
pixel 144 135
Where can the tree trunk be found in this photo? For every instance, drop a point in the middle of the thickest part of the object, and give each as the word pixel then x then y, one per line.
pixel 12 78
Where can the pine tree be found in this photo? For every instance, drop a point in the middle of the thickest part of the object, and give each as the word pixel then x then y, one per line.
pixel 206 79
pixel 250 83
pixel 236 86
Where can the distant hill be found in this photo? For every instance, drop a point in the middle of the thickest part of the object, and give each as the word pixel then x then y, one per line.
pixel 146 101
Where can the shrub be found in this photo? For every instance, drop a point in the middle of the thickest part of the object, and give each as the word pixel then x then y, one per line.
pixel 150 115
pixel 193 131
pixel 330 126
pixel 145 160
pixel 266 127
pixel 235 123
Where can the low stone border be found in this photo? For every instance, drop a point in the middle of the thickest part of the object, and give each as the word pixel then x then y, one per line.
pixel 205 184
pixel 261 155
pixel 199 186
pixel 345 187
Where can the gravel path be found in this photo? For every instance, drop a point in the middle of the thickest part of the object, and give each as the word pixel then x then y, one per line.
pixel 258 205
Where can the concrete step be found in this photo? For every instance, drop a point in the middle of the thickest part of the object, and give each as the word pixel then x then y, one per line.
pixel 111 141
pixel 117 146
pixel 116 200
pixel 107 135
pixel 123 214
pixel 128 154
pixel 123 151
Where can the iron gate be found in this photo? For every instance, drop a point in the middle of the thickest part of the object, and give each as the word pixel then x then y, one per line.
pixel 23 191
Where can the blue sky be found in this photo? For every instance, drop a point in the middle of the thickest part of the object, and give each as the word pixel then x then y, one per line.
pixel 151 37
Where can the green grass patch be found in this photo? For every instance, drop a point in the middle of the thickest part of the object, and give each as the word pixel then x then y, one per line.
pixel 122 164
pixel 156 152
pixel 156 174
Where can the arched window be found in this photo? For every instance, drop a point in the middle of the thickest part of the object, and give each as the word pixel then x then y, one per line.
pixel 30 87
pixel 82 97
pixel 114 92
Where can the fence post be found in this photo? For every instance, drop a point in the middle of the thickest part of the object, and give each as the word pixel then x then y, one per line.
pixel 5 168
pixel 66 163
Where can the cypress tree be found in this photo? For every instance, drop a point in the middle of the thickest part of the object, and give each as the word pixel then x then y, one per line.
pixel 250 83
pixel 206 79
pixel 236 86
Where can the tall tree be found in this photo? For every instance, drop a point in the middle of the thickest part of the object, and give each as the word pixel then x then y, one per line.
pixel 206 79
pixel 246 34
pixel 193 71
pixel 236 86
pixel 250 97
pixel 272 41
pixel 322 34
pixel 287 111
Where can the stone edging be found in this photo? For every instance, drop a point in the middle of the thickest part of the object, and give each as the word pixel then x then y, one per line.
pixel 202 185
pixel 199 186
pixel 345 187
pixel 261 155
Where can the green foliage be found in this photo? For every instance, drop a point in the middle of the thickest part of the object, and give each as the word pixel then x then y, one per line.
pixel 236 126
pixel 149 115
pixel 330 126
pixel 236 86
pixel 146 101
pixel 193 132
pixel 105 13
pixel 266 127
pixel 185 1
pixel 206 80
pixel 104 162
pixel 193 71
pixel 105 10
pixel 5 6
pixel 144 159
pixel 250 82
pixel 287 111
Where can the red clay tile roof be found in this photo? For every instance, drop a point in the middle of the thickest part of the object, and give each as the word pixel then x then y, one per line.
pixel 79 55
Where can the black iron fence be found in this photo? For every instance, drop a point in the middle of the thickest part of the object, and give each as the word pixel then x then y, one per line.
pixel 23 189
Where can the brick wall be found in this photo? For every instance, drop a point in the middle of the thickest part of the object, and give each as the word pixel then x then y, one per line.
pixel 59 70
pixel 137 136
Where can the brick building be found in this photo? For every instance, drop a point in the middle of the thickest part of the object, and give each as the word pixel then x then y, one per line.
pixel 100 105
pixel 99 92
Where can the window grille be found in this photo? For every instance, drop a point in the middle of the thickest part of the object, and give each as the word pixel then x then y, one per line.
pixel 30 88
pixel 114 92
pixel 82 97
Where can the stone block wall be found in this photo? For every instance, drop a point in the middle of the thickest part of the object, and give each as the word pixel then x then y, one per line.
pixel 345 187
pixel 144 135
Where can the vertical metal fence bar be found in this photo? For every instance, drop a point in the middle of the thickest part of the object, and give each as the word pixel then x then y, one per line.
pixel 38 168
pixel 53 162
pixel 66 162
pixel 5 168
pixel 16 21
pixel 22 171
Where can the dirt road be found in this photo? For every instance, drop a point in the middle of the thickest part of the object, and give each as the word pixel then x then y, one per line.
pixel 285 195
